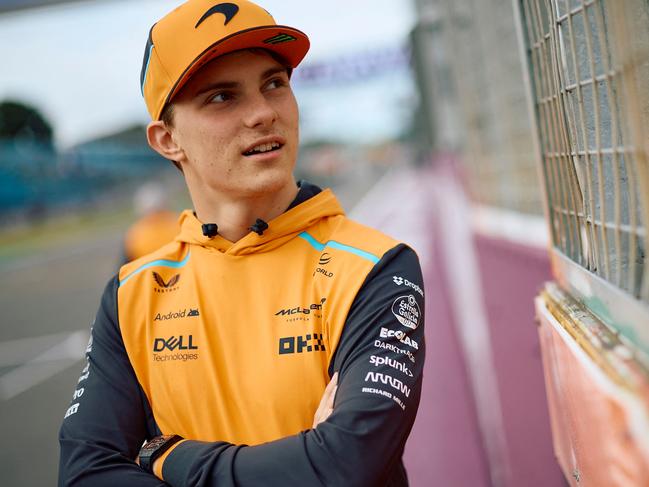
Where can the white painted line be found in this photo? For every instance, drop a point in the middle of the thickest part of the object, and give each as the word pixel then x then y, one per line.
pixel 45 365
pixel 463 276
pixel 20 351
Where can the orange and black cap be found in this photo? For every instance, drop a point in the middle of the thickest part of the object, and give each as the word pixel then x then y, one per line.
pixel 200 30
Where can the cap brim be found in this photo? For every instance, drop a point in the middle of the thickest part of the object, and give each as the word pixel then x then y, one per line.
pixel 289 43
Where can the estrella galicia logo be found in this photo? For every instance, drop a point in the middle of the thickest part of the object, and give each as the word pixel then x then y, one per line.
pixel 301 344
pixel 174 343
pixel 406 310
pixel 324 259
pixel 229 10
pixel 168 286
pixel 300 310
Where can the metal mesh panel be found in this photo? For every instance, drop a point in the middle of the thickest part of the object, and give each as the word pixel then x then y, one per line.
pixel 589 61
pixel 498 143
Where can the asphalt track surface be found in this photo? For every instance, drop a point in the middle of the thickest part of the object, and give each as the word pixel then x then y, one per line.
pixel 48 302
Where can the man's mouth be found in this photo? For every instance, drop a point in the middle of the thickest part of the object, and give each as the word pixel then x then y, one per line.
pixel 263 148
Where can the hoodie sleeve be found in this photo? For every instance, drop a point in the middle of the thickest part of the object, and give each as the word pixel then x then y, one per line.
pixel 99 443
pixel 380 360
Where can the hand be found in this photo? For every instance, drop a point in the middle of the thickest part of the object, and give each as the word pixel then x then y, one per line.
pixel 326 406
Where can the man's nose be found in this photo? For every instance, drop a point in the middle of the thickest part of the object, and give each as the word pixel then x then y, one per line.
pixel 260 113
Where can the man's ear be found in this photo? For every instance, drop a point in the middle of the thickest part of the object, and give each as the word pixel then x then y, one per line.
pixel 161 140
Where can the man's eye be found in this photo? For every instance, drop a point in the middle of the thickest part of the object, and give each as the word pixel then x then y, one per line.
pixel 220 98
pixel 275 83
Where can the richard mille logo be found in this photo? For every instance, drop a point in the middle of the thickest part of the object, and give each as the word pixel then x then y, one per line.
pixel 165 286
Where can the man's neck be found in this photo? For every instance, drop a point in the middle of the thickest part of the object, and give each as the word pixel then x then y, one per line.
pixel 234 216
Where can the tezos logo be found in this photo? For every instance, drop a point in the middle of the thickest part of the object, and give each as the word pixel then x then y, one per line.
pixel 299 309
pixel 168 286
pixel 174 343
pixel 406 310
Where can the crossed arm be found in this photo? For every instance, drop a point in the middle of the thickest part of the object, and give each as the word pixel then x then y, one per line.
pixel 360 442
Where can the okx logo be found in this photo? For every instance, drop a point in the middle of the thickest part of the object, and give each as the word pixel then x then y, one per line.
pixel 165 286
pixel 301 344
pixel 174 343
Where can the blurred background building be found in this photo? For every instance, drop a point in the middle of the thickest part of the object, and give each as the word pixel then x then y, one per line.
pixel 505 140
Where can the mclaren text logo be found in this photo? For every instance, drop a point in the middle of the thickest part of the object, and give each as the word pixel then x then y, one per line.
pixel 166 286
pixel 300 310
pixel 399 335
pixel 300 344
pixel 400 281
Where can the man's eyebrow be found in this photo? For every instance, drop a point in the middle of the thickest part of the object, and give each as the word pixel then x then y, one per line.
pixel 270 72
pixel 229 85
pixel 223 85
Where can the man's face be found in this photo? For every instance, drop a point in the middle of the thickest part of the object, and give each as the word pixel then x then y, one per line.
pixel 236 121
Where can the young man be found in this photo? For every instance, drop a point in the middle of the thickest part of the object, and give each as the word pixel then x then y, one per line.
pixel 224 349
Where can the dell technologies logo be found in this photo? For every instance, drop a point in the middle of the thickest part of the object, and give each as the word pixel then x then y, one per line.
pixel 174 343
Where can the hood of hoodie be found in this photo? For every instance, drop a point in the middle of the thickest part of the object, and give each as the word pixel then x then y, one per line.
pixel 280 229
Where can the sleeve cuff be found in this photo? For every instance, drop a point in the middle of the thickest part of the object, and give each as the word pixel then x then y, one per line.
pixel 159 463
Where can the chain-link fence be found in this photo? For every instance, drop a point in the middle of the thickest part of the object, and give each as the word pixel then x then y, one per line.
pixel 589 66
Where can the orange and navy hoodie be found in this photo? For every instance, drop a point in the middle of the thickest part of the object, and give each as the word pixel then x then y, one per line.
pixel 231 345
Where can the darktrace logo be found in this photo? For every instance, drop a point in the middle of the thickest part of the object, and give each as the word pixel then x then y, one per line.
pixel 182 348
pixel 165 286
pixel 313 308
pixel 229 10
pixel 301 344
pixel 174 315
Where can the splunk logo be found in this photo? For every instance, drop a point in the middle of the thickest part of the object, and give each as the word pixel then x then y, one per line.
pixel 301 344
pixel 301 310
pixel 174 343
pixel 395 364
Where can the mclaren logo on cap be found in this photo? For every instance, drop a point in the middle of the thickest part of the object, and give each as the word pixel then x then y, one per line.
pixel 227 9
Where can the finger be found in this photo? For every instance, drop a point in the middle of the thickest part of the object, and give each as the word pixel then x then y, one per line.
pixel 330 389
